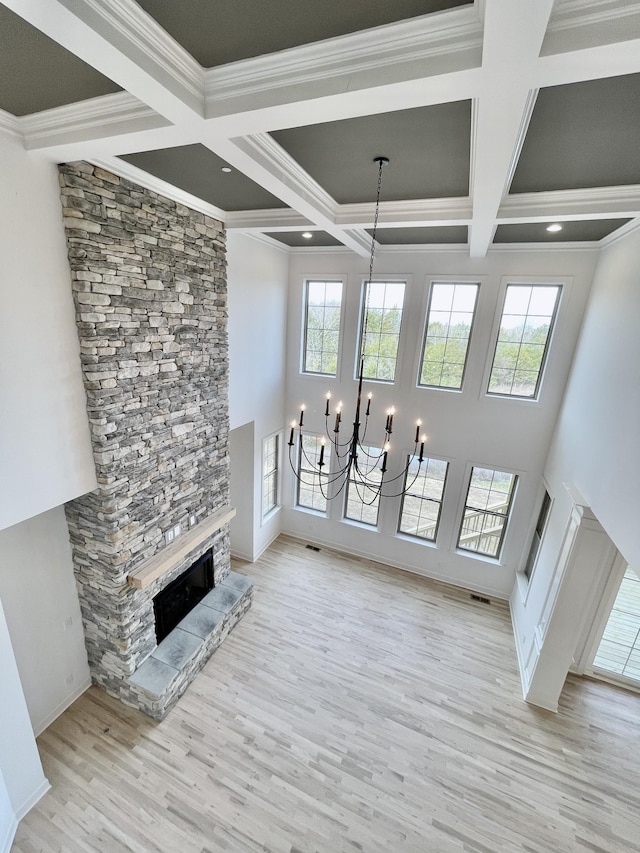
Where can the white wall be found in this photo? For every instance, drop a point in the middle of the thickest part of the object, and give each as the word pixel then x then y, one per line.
pixel 595 448
pixel 465 428
pixel 257 277
pixel 22 781
pixel 38 591
pixel 45 452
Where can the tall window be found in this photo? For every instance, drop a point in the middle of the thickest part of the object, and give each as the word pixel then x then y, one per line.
pixel 362 504
pixel 487 511
pixel 311 484
pixel 323 302
pixel 521 349
pixel 447 333
pixel 380 326
pixel 269 474
pixel 537 535
pixel 422 503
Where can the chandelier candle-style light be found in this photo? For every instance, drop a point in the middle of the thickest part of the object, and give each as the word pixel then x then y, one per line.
pixel 352 460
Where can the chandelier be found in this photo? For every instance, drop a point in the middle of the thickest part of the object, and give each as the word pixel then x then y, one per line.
pixel 350 459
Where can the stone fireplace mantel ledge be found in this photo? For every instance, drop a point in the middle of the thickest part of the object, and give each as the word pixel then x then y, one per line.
pixel 167 559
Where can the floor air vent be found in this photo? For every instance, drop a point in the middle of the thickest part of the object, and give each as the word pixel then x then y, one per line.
pixel 313 547
pixel 475 597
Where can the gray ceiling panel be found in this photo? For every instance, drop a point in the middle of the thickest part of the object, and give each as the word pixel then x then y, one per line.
pixel 428 148
pixel 57 77
pixel 229 30
pixel 196 170
pixel 416 236
pixel 582 135
pixel 535 232
pixel 295 238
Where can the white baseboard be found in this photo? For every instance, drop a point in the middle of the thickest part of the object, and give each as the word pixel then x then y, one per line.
pixel 384 561
pixel 32 799
pixel 41 725
pixel 7 841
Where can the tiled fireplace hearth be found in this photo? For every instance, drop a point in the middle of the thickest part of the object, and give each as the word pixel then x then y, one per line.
pixel 149 284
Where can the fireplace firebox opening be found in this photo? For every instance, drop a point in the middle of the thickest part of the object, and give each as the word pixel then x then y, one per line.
pixel 179 597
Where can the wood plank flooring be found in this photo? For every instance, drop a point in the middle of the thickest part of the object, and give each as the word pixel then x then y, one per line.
pixel 354 708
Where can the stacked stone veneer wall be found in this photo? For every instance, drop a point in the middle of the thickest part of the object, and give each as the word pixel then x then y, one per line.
pixel 149 285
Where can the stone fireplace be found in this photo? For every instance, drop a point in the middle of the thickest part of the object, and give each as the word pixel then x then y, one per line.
pixel 149 285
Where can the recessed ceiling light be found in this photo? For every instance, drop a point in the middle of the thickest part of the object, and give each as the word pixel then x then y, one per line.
pixel 307 235
pixel 554 227
pixel 226 169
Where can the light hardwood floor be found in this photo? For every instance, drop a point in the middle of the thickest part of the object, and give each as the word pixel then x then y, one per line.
pixel 354 708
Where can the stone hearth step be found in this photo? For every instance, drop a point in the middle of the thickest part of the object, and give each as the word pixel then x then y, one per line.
pixel 168 671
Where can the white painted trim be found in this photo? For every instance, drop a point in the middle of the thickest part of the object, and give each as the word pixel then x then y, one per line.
pixel 41 725
pixel 375 558
pixel 527 112
pixel 570 14
pixel 273 219
pixel 7 841
pixel 413 212
pixel 10 124
pixel 620 233
pixel 576 246
pixel 32 799
pixel 94 114
pixel 144 179
pixel 418 39
pixel 264 147
pixel 571 205
pixel 138 29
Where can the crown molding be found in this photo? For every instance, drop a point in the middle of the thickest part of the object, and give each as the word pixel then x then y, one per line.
pixel 272 219
pixel 10 125
pixel 570 14
pixel 522 132
pixel 596 203
pixel 398 214
pixel 573 246
pixel 620 233
pixel 89 118
pixel 263 148
pixel 144 179
pixel 134 28
pixel 452 33
pixel 267 241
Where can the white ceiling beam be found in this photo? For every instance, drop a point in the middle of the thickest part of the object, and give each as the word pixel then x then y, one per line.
pixel 265 162
pixel 126 45
pixel 413 212
pixel 568 205
pixel 514 30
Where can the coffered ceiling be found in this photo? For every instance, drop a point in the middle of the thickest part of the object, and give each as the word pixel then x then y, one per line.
pixel 499 117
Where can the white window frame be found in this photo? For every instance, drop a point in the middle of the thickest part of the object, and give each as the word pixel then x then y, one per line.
pixel 415 537
pixel 267 512
pixel 563 297
pixel 381 279
pixel 326 473
pixel 425 314
pixel 306 280
pixel 481 555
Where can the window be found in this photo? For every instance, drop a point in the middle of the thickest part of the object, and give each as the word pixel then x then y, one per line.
pixel 521 349
pixel 422 502
pixel 448 329
pixel 487 511
pixel 380 327
pixel 537 535
pixel 323 301
pixel 269 474
pixel 311 484
pixel 362 503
